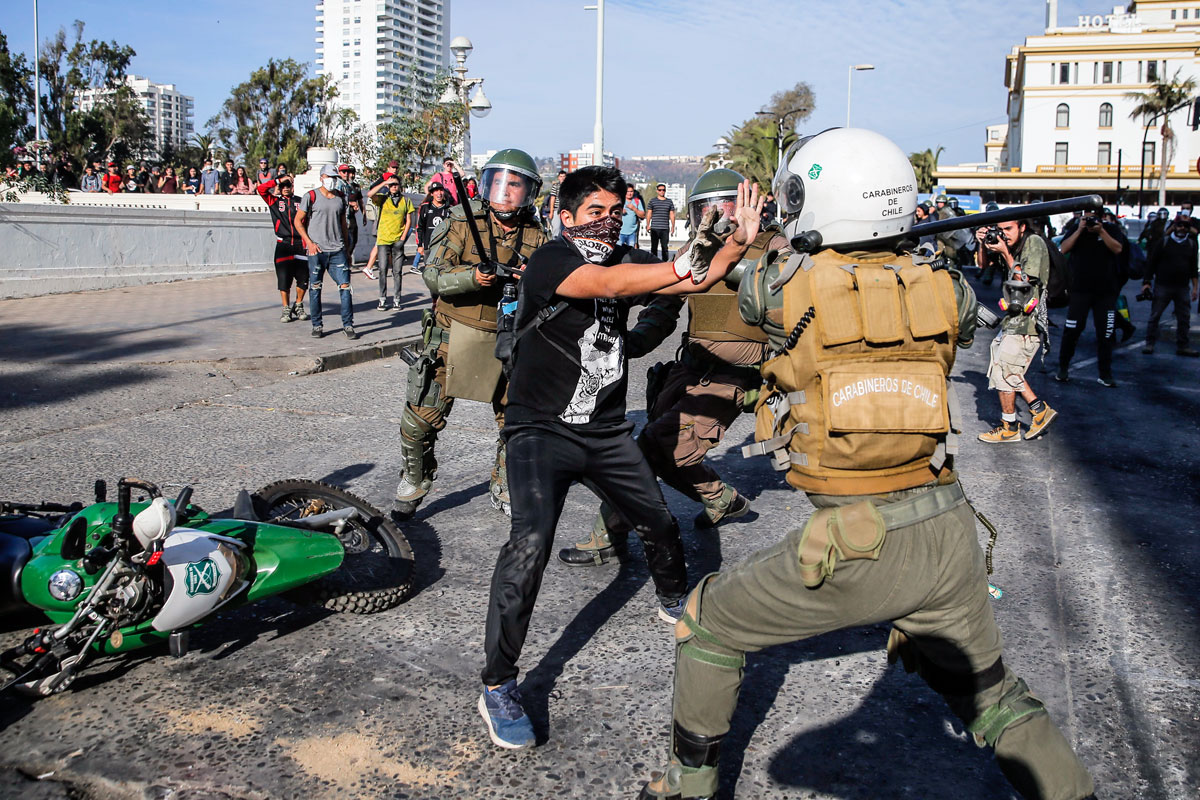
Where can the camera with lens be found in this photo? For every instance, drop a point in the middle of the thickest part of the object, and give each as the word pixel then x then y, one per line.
pixel 992 235
pixel 1145 294
pixel 1091 222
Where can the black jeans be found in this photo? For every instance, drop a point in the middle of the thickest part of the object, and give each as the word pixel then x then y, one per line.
pixel 1104 311
pixel 1163 297
pixel 659 237
pixel 542 465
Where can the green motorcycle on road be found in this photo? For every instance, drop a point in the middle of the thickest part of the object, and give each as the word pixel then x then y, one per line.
pixel 114 577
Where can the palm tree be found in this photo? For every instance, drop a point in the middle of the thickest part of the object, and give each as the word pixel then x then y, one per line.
pixel 1164 98
pixel 205 142
pixel 924 164
pixel 754 149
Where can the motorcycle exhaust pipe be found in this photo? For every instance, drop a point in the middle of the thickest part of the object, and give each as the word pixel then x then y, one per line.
pixel 319 521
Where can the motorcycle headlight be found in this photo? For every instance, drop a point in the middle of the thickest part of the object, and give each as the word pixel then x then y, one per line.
pixel 65 585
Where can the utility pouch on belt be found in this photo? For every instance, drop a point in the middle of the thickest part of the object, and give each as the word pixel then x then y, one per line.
pixel 846 533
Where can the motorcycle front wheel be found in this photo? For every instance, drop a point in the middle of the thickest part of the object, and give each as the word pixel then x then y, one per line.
pixel 377 571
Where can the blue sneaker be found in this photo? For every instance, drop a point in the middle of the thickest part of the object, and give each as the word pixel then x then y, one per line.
pixel 671 612
pixel 507 723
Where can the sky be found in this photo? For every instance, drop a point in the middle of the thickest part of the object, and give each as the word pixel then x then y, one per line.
pixel 678 73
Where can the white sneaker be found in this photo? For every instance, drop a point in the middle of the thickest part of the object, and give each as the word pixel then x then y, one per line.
pixel 367 271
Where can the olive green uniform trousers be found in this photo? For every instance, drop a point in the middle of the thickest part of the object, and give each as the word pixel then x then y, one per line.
pixel 929 580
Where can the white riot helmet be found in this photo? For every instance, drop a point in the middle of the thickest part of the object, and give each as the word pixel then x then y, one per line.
pixel 847 184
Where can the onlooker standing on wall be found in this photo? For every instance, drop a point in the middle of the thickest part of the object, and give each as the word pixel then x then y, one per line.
pixel 152 184
pixel 168 183
pixel 191 184
pixel 631 217
pixel 91 181
pixel 321 223
pixel 227 177
pixel 143 178
pixel 131 185
pixel 660 220
pixel 210 179
pixel 241 182
pixel 264 171
pixel 112 179
pixel 395 221
pixel 1171 267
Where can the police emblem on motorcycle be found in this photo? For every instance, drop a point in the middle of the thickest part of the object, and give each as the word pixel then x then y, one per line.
pixel 201 577
pixel 815 172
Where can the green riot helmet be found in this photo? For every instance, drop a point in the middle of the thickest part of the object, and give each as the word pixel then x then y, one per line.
pixel 941 198
pixel 717 187
pixel 509 182
pixel 953 202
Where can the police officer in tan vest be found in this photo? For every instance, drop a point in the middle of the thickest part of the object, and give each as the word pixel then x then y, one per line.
pixel 698 396
pixel 855 411
pixel 458 359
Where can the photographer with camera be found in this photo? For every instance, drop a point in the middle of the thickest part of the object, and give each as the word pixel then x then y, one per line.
pixel 458 358
pixel 1025 261
pixel 1170 268
pixel 988 261
pixel 1093 249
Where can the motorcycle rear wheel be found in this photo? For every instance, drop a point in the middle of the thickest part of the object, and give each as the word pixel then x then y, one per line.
pixel 377 572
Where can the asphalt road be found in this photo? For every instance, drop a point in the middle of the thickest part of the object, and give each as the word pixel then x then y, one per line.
pixel 1097 555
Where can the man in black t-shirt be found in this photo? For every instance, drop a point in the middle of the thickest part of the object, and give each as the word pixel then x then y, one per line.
pixel 1093 249
pixel 565 420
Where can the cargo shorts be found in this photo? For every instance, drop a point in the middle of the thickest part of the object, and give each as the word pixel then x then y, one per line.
pixel 1012 353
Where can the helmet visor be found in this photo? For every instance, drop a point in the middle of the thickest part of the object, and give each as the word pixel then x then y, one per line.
pixel 697 208
pixel 505 189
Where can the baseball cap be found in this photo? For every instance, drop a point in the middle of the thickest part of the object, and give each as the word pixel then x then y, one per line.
pixel 329 170
pixel 393 164
pixel 343 166
pixel 433 187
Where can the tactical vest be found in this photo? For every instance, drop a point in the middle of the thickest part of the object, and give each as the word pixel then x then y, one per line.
pixel 713 315
pixel 478 309
pixel 858 404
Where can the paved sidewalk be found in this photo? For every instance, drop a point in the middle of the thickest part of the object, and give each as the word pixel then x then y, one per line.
pixel 209 319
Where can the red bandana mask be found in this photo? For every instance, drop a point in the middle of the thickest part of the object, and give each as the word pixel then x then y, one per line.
pixel 596 240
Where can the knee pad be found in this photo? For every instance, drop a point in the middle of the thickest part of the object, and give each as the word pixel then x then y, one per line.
pixel 695 642
pixel 1015 705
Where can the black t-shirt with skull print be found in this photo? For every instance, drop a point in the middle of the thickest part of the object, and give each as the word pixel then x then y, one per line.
pixel 570 370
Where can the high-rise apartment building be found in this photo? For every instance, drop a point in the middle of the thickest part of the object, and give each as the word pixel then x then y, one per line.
pixel 375 50
pixel 169 112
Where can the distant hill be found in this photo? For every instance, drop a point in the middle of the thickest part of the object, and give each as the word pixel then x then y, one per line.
pixel 685 172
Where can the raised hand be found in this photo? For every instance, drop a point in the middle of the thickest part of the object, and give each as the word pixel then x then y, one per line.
pixel 747 215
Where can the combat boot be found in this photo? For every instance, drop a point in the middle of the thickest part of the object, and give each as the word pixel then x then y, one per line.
pixel 408 497
pixel 692 772
pixel 1004 432
pixel 730 505
pixel 597 550
pixel 420 468
pixel 1040 421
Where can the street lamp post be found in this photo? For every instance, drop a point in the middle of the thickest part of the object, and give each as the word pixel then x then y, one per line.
pixel 780 125
pixel 598 131
pixel 850 83
pixel 37 82
pixel 721 148
pixel 460 89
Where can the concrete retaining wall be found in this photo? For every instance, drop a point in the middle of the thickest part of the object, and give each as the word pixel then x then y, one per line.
pixel 47 249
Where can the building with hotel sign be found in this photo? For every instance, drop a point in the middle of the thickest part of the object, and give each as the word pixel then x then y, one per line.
pixel 1068 111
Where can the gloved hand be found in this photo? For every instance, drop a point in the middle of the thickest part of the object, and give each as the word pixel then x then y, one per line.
pixel 700 250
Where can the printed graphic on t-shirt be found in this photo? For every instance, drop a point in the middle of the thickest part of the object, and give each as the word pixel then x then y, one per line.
pixel 602 357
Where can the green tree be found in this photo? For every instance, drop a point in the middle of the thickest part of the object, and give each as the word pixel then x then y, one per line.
pixel 280 109
pixel 755 145
pixel 16 101
pixel 117 125
pixel 1163 100
pixel 426 133
pixel 924 164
